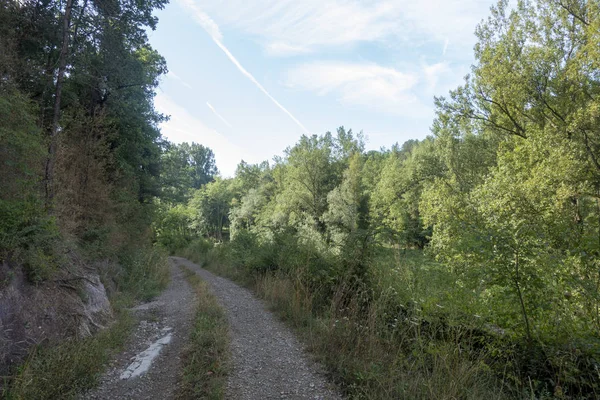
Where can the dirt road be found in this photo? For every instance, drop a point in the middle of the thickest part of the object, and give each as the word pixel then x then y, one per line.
pixel 267 361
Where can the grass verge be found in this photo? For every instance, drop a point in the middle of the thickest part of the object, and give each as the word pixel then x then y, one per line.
pixel 371 360
pixel 63 370
pixel 205 359
pixel 368 352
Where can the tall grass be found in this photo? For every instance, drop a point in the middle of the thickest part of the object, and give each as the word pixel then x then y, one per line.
pixel 62 371
pixel 371 345
pixel 144 273
pixel 205 359
pixel 373 360
pixel 398 325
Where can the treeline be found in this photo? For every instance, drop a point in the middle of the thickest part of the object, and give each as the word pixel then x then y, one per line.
pixel 80 154
pixel 79 145
pixel 504 196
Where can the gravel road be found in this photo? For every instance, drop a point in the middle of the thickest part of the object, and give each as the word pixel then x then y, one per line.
pixel 267 361
pixel 168 316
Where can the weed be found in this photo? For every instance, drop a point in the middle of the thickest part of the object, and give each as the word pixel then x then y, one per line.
pixel 369 352
pixel 62 371
pixel 205 360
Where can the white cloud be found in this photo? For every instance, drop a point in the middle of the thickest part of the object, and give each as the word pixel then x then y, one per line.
pixel 184 127
pixel 433 73
pixel 368 85
pixel 218 115
pixel 285 49
pixel 286 25
pixel 175 77
pixel 383 89
pixel 213 30
pixel 203 19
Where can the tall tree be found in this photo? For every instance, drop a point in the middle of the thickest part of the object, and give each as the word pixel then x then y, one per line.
pixel 186 168
pixel 62 67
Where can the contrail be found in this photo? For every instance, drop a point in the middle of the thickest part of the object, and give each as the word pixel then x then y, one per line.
pixel 218 115
pixel 212 29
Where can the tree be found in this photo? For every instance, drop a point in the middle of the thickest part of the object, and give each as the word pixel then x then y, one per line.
pixel 309 177
pixel 185 168
pixel 210 207
pixel 62 67
pixel 86 74
pixel 514 213
pixel 347 210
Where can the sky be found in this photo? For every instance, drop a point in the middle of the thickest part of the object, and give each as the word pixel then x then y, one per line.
pixel 248 78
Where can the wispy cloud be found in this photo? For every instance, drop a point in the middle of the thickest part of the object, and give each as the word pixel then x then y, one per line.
pixel 213 30
pixel 433 73
pixel 184 127
pixel 203 19
pixel 175 77
pixel 368 85
pixel 218 115
pixel 285 49
pixel 291 26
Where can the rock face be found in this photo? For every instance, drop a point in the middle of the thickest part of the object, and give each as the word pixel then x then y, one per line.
pixel 73 304
pixel 96 309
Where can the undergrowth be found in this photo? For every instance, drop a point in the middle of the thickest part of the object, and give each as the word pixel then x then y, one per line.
pixel 355 340
pixel 205 359
pixel 144 273
pixel 61 371
pixel 398 327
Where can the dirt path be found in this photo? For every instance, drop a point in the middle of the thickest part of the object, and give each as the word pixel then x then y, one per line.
pixel 149 367
pixel 268 362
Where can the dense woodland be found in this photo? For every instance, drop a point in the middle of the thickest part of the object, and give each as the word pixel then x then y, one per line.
pixel 463 265
pixel 80 156
pixel 79 144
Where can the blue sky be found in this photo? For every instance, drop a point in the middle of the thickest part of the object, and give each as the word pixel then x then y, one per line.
pixel 248 78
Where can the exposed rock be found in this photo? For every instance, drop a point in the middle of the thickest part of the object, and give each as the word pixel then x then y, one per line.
pixel 71 304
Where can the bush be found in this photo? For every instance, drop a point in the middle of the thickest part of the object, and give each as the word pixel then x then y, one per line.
pixel 172 228
pixel 144 272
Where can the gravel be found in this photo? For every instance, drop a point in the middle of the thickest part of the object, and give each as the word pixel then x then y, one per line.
pixel 171 314
pixel 268 362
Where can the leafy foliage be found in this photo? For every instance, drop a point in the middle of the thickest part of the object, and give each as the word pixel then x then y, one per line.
pixel 503 198
pixel 185 167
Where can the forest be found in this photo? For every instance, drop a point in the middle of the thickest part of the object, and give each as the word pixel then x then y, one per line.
pixel 464 265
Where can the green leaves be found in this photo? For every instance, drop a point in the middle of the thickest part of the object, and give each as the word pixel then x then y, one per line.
pixel 185 168
pixel 514 204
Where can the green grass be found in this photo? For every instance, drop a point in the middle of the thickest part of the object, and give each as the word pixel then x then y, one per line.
pixel 145 273
pixel 368 351
pixel 216 259
pixel 205 359
pixel 61 371
pixel 371 361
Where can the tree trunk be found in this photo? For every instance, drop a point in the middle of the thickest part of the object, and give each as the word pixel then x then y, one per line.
pixel 518 286
pixel 598 276
pixel 62 67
